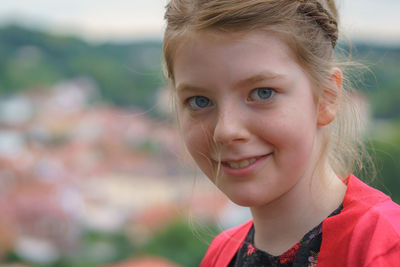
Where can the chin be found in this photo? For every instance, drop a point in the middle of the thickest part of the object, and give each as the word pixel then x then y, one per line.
pixel 246 200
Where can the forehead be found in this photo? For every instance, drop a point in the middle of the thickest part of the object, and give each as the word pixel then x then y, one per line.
pixel 239 54
pixel 205 39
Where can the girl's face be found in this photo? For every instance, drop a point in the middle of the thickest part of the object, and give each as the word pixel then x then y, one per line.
pixel 248 114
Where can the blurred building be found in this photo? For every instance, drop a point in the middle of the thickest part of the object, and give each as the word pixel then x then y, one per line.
pixel 67 165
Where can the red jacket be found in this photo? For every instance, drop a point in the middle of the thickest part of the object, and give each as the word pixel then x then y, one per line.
pixel 365 233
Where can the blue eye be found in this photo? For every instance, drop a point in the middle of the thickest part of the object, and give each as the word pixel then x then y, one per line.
pixel 198 102
pixel 261 94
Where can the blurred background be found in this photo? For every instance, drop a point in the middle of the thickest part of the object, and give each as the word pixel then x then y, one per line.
pixel 92 171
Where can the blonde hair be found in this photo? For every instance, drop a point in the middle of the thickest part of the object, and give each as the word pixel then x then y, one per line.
pixel 310 29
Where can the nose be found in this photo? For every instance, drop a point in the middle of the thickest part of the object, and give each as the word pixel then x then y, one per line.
pixel 230 126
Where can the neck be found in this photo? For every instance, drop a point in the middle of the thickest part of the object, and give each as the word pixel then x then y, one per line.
pixel 281 224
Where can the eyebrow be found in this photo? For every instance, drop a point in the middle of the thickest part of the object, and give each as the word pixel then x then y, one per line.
pixel 187 87
pixel 259 77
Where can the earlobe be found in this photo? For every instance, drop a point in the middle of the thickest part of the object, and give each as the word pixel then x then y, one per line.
pixel 330 97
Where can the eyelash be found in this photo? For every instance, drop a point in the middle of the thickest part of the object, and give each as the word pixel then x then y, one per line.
pixel 194 105
pixel 191 102
pixel 271 93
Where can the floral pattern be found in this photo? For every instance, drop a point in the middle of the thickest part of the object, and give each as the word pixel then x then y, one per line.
pixel 302 254
pixel 250 249
pixel 289 255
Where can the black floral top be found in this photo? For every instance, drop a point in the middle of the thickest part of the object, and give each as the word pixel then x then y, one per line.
pixel 304 253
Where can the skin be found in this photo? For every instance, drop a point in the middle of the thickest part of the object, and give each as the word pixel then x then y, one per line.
pixel 242 96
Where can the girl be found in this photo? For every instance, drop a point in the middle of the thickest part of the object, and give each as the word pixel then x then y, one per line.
pixel 263 113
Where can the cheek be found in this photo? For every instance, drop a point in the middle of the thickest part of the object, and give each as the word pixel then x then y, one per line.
pixel 199 143
pixel 291 134
pixel 197 138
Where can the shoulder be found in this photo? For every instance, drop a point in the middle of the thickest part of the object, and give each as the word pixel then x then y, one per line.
pixel 369 207
pixel 225 245
pixel 377 232
pixel 367 231
pixel 375 238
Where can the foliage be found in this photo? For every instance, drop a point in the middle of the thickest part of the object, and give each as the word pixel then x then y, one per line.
pixel 386 153
pixel 177 242
pixel 95 249
pixel 381 84
pixel 127 74
pixel 180 244
pixel 98 248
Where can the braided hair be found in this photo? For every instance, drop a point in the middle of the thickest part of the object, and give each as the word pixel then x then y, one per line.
pixel 316 12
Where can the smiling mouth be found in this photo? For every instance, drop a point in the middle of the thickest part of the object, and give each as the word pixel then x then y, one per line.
pixel 241 164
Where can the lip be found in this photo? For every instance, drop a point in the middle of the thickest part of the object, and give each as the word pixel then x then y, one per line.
pixel 246 170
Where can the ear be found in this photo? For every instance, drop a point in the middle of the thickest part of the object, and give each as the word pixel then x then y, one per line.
pixel 330 97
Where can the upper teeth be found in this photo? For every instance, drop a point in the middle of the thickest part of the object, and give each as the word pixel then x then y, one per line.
pixel 240 164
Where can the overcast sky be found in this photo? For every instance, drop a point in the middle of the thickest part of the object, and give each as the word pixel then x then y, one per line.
pixel 101 20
